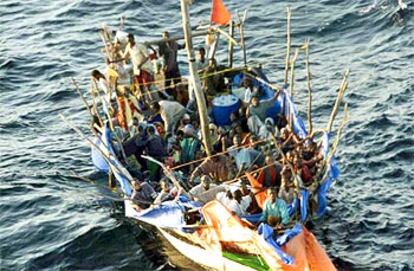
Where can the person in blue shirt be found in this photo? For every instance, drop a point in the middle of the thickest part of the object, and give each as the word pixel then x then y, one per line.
pixel 275 211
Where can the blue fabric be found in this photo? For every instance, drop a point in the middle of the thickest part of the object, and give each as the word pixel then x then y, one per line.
pixel 289 234
pixel 168 214
pixel 124 183
pixel 290 108
pixel 98 161
pixel 253 218
pixel 266 232
pixel 325 186
pixel 304 199
pixel 293 206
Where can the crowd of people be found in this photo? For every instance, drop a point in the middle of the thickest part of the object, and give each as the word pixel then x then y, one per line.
pixel 150 109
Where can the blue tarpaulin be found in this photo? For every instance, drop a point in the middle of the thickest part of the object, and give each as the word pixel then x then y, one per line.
pixel 266 232
pixel 288 234
pixel 168 214
pixel 304 199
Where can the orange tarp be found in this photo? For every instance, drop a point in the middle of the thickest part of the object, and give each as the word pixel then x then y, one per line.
pixel 304 248
pixel 257 188
pixel 307 252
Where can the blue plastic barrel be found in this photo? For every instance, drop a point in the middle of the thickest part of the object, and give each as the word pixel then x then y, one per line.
pixel 223 106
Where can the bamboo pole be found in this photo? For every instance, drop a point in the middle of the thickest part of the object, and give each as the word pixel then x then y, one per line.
pixel 331 154
pixel 194 77
pixel 75 84
pixel 242 39
pixel 108 157
pixel 230 46
pixel 292 73
pixel 309 85
pixel 195 34
pixel 338 101
pixel 288 44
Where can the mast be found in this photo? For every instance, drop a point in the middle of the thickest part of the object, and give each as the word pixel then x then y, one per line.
pixel 194 78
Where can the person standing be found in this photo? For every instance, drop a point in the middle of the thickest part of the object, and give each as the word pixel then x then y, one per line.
pixel 168 51
pixel 139 56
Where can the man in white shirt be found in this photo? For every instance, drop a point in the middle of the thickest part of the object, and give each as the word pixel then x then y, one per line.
pixel 138 54
pixel 171 113
pixel 205 191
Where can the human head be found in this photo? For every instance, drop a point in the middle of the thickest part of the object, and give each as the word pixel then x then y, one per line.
pixel 202 53
pixel 186 119
pixel 212 63
pixel 273 221
pixel 136 185
pixel 205 182
pixel 151 130
pixel 164 185
pixel 269 160
pixel 236 140
pixel 97 74
pixel 247 82
pixel 135 121
pixel 188 130
pixel 237 195
pixel 155 107
pixel 273 194
pixel 165 35
pixel 131 39
pixel 179 134
pixel 255 100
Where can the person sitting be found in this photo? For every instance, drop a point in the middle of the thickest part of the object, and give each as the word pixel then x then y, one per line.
pixel 270 175
pixel 219 167
pixel 167 192
pixel 205 191
pixel 189 145
pixel 259 108
pixel 225 197
pixel 143 195
pixel 287 190
pixel 240 203
pixel 247 157
pixel 275 209
pixel 303 171
pixel 250 90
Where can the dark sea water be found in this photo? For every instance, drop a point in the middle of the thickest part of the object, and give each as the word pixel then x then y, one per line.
pixel 50 221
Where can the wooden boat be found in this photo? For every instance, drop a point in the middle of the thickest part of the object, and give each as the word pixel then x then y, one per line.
pixel 224 241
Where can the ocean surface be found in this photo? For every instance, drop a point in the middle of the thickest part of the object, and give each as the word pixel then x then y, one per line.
pixel 51 221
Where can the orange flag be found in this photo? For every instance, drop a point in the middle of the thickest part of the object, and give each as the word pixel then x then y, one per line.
pixel 219 13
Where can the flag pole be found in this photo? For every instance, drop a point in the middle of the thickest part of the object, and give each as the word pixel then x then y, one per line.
pixel 194 77
pixel 230 47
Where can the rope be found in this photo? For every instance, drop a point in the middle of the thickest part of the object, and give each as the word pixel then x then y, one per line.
pixel 214 155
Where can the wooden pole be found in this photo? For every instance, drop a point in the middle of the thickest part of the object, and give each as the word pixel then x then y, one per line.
pixel 230 47
pixel 338 101
pixel 326 168
pixel 81 96
pixel 308 77
pixel 194 77
pixel 195 34
pixel 292 73
pixel 242 40
pixel 109 158
pixel 288 44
